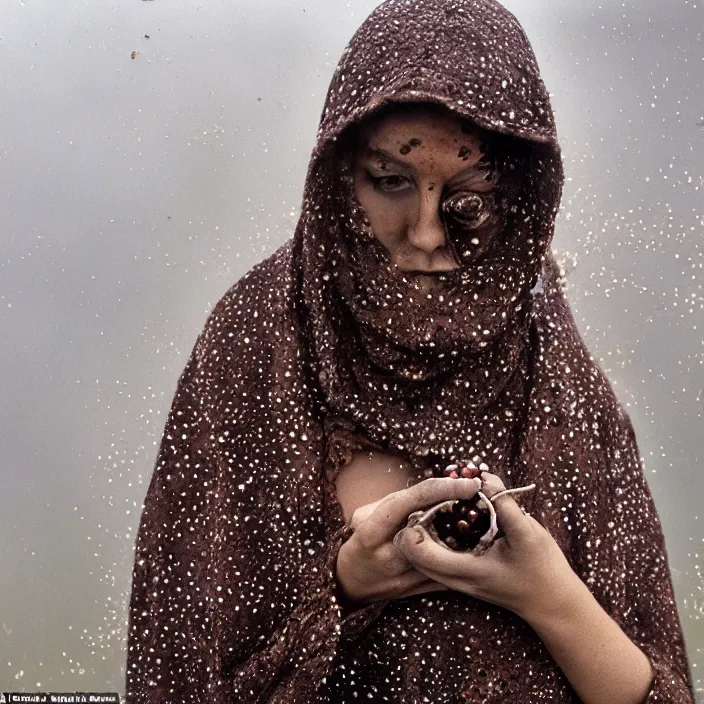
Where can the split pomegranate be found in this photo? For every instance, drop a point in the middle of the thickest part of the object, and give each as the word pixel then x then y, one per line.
pixel 464 525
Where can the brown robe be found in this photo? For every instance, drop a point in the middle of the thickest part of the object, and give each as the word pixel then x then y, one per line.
pixel 324 348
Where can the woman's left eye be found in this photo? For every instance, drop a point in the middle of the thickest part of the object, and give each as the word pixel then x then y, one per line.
pixel 468 209
pixel 390 184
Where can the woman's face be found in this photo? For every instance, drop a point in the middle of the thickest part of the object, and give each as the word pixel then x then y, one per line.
pixel 411 164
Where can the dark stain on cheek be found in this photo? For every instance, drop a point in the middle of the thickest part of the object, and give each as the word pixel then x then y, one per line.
pixel 415 142
pixel 464 153
pixel 405 149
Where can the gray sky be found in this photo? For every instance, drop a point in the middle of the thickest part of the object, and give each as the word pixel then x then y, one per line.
pixel 136 191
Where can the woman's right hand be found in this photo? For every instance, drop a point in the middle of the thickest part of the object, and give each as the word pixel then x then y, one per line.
pixel 369 567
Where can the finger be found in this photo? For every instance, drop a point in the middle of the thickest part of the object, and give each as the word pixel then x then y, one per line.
pixel 492 484
pixel 396 507
pixel 425 554
pixel 511 519
pixel 362 513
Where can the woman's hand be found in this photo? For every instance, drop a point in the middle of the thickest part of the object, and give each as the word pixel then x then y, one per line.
pixel 524 571
pixel 369 567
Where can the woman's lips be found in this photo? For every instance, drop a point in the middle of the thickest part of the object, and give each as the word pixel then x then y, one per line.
pixel 426 282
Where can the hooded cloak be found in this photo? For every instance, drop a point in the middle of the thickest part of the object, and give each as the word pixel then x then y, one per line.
pixel 325 348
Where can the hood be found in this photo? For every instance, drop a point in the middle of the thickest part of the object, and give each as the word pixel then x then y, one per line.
pixel 369 335
pixel 472 56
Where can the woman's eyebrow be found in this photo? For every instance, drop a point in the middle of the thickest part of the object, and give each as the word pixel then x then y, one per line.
pixel 478 169
pixel 387 156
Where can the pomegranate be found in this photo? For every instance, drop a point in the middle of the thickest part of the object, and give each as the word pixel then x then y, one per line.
pixel 464 525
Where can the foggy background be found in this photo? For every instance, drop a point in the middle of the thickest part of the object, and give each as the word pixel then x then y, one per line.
pixel 135 191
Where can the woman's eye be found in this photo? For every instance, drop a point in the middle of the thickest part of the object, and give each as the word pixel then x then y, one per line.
pixel 468 209
pixel 389 183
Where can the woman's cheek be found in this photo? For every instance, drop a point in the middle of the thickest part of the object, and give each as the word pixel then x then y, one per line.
pixel 386 219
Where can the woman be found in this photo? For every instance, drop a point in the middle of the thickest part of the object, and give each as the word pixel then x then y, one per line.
pixel 416 317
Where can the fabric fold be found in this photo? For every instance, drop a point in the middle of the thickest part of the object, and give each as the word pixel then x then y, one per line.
pixel 628 539
pixel 614 541
pixel 210 532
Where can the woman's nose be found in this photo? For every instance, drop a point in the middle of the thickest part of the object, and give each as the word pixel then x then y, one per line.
pixel 428 234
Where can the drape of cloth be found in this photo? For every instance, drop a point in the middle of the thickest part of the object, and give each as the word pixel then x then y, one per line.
pixel 234 596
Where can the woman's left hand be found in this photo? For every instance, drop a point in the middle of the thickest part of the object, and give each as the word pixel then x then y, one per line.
pixel 524 571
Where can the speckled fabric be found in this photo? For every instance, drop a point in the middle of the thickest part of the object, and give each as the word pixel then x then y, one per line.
pixel 324 349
